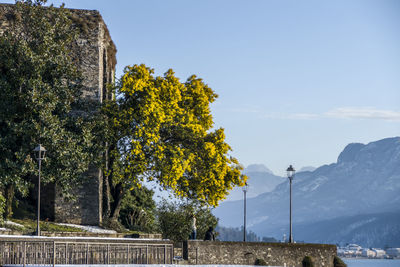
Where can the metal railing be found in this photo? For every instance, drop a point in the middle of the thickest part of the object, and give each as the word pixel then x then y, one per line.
pixel 54 252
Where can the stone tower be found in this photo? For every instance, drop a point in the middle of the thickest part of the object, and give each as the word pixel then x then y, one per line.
pixel 96 54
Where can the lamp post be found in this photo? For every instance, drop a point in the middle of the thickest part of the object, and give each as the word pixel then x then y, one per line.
pixel 40 152
pixel 290 174
pixel 245 188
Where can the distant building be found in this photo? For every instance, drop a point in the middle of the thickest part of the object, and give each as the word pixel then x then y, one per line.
pixel 353 247
pixel 351 250
pixel 380 253
pixel 368 253
pixel 393 252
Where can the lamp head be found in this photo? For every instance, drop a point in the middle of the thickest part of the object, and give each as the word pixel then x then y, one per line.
pixel 290 171
pixel 40 152
pixel 245 188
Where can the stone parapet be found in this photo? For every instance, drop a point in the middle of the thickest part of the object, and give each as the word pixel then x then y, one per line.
pixel 81 239
pixel 246 253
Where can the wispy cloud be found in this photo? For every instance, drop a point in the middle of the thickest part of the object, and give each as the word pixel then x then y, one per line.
pixel 364 113
pixel 369 113
pixel 244 110
pixel 291 116
pixel 304 116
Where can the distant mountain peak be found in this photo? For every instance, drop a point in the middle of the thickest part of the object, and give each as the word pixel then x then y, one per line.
pixel 353 150
pixel 350 152
pixel 307 169
pixel 257 168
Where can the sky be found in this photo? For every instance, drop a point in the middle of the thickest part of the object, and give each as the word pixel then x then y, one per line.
pixel 297 80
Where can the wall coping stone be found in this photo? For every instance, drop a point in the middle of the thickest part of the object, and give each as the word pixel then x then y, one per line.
pixel 24 238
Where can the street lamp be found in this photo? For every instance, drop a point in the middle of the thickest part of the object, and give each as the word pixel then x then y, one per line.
pixel 245 188
pixel 40 152
pixel 290 174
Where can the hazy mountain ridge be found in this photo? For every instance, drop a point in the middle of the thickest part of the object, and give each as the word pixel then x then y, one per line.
pixel 368 230
pixel 260 180
pixel 307 169
pixel 365 179
pixel 258 168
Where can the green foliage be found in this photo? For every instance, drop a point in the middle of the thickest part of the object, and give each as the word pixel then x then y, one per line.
pixel 235 234
pixel 40 87
pixel 29 226
pixel 307 262
pixel 269 240
pixel 137 210
pixel 2 207
pixel 175 220
pixel 161 129
pixel 114 225
pixel 338 262
pixel 260 262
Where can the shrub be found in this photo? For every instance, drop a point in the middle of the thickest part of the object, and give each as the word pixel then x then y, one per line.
pixel 337 262
pixel 2 207
pixel 138 210
pixel 174 220
pixel 260 262
pixel 307 262
pixel 113 225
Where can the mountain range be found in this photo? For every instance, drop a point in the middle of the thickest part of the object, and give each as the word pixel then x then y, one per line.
pixel 359 191
pixel 260 180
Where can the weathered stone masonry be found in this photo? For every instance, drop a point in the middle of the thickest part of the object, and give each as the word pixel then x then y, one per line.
pixel 95 53
pixel 246 253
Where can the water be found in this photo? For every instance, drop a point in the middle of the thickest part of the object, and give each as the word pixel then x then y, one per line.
pixel 371 263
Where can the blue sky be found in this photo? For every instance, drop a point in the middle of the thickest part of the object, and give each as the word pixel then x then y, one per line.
pixel 297 80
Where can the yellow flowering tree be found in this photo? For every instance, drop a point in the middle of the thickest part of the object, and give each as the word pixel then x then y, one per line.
pixel 160 129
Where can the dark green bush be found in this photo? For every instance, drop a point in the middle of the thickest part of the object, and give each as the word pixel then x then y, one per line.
pixel 337 262
pixel 260 262
pixel 307 262
pixel 2 207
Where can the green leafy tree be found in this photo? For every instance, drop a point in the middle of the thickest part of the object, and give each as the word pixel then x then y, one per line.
pixel 40 88
pixel 236 234
pixel 175 220
pixel 338 262
pixel 307 262
pixel 138 210
pixel 161 129
pixel 2 207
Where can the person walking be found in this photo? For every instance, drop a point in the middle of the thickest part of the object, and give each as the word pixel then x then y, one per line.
pixel 209 236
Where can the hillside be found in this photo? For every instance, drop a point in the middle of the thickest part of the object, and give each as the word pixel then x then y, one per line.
pixel 364 180
pixel 367 230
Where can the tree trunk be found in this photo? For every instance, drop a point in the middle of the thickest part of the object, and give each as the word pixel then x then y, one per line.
pixel 116 205
pixel 107 182
pixel 9 195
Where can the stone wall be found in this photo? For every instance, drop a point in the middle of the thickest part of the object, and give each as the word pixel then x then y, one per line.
pixel 246 253
pixel 86 208
pixel 95 54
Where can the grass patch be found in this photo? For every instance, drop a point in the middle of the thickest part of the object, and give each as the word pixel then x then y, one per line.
pixel 30 227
